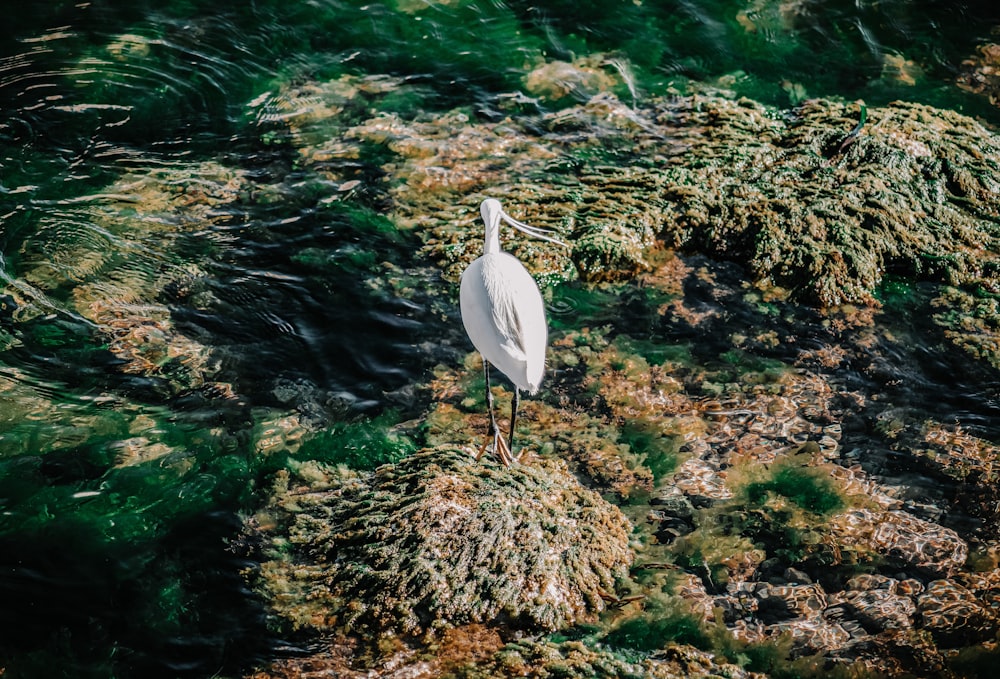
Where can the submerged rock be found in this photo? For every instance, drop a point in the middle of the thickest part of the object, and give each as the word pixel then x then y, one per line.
pixel 115 259
pixel 981 72
pixel 902 537
pixel 439 540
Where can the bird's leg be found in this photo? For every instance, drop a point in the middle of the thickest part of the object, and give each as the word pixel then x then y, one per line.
pixel 500 447
pixel 491 432
pixel 513 419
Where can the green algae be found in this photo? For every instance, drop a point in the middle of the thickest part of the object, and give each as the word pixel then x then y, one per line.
pixel 785 510
pixel 659 453
pixel 781 511
pixel 806 487
pixel 364 444
pixel 96 535
pixel 658 628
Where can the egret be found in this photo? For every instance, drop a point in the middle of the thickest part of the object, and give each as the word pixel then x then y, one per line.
pixel 504 316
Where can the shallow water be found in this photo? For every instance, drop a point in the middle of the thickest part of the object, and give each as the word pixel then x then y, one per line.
pixel 174 280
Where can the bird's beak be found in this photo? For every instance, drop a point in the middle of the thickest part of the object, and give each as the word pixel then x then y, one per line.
pixel 533 231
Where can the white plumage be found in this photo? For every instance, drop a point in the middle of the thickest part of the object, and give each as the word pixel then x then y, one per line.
pixel 504 315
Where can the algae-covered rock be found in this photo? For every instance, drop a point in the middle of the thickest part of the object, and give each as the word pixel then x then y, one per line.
pixel 439 540
pixel 809 207
pixel 970 319
pixel 808 199
pixel 475 652
pixel 575 659
pixel 346 657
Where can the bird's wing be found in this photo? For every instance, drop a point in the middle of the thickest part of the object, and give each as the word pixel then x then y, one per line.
pixel 518 312
pixel 508 323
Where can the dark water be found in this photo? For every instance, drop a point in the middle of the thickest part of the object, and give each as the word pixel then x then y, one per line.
pixel 122 471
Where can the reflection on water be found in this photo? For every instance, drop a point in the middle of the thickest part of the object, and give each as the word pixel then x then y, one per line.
pixel 174 280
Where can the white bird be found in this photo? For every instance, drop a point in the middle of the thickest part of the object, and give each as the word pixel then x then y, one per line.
pixel 504 316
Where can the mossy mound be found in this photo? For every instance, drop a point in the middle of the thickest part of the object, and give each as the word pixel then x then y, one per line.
pixel 577 660
pixel 800 197
pixel 439 540
pixel 811 208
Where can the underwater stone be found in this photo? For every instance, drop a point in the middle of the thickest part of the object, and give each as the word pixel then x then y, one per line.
pixel 878 609
pixel 981 72
pixel 555 80
pixel 120 270
pixel 700 482
pixel 971 320
pixel 903 537
pixel 439 540
pixel 954 614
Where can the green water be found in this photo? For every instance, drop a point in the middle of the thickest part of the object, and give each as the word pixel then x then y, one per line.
pixel 123 471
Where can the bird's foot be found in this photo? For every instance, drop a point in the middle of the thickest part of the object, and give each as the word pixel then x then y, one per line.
pixel 499 448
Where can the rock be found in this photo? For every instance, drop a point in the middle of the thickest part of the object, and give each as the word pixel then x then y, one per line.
pixel 954 614
pixel 781 602
pixel 672 514
pixel 877 603
pixel 700 482
pixel 555 80
pixel 894 653
pixel 576 660
pixel 439 540
pixel 981 72
pixel 902 537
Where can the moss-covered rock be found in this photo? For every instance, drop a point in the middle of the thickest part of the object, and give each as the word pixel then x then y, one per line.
pixel 437 540
pixel 813 209
pixel 800 197
pixel 577 660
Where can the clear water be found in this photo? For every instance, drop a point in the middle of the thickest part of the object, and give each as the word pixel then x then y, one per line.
pixel 120 488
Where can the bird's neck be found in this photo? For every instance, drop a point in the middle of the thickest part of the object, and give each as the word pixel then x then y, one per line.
pixel 492 245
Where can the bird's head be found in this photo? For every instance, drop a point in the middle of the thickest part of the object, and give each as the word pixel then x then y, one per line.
pixel 493 213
